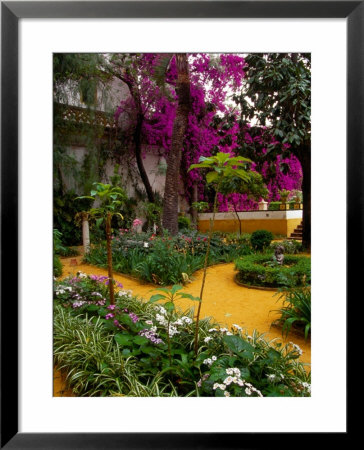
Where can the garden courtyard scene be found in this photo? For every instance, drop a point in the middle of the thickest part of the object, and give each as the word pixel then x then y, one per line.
pixel 182 225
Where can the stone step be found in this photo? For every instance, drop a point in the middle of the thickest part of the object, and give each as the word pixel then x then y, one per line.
pixel 296 235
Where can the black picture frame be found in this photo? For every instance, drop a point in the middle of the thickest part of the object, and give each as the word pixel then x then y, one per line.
pixel 11 12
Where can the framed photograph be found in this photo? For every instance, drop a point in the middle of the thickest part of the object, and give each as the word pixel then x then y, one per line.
pixel 332 33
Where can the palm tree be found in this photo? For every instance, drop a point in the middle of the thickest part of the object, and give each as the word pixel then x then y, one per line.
pixel 170 211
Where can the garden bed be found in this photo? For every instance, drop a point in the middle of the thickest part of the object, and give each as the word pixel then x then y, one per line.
pixel 261 270
pixel 124 350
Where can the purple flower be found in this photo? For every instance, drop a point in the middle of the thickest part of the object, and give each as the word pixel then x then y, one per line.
pixel 109 316
pixel 134 317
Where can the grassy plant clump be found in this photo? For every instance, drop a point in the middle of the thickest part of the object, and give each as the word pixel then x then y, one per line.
pixel 139 348
pixel 296 310
pixel 264 271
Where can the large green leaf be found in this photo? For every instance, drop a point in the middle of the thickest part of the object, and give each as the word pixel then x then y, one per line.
pixel 237 345
pixel 156 297
pixel 211 177
pixel 123 339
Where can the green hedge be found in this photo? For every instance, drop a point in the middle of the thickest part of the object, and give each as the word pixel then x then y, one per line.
pixel 262 270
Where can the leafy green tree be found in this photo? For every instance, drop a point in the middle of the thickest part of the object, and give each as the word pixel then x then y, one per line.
pixel 253 187
pixel 221 168
pixel 110 201
pixel 277 95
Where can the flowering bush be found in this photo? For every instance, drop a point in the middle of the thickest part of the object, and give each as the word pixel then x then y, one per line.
pixel 167 260
pixel 136 223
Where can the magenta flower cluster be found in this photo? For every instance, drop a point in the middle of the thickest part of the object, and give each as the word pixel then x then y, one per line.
pixel 213 79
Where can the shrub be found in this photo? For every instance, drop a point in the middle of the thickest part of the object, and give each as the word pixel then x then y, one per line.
pixel 274 206
pixel 262 270
pixel 291 247
pixel 260 239
pixel 57 266
pixel 184 223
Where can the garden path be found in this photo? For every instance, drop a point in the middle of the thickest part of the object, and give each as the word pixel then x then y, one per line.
pixel 223 300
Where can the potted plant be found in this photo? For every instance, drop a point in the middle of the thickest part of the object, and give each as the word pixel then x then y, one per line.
pixel 284 197
pixel 297 198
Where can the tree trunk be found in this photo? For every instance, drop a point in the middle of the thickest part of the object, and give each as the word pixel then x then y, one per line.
pixel 170 203
pixel 194 212
pixel 109 258
pixel 237 215
pixel 137 135
pixel 85 233
pixel 139 159
pixel 304 156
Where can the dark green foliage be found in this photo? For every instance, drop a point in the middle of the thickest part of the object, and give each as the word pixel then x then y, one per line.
pixel 57 248
pixel 261 239
pixel 57 266
pixel 290 247
pixel 262 270
pixel 274 206
pixel 296 310
pixel 184 223
pixel 64 213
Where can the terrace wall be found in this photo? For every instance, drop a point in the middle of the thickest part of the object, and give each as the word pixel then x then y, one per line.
pixel 278 222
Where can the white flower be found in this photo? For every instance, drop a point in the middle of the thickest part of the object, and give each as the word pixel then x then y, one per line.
pixel 149 322
pixel 228 333
pixel 271 377
pixel 236 371
pixel 124 293
pixel 208 361
pixel 172 330
pixel 237 326
pixel 297 348
pixel 229 371
pixel 223 330
pixel 161 319
pixel 187 319
pixel 228 380
pixel 220 386
pixel 82 275
pixel 178 322
pixel 248 391
pixel 227 394
pixel 211 330
pixel 214 358
pixel 207 339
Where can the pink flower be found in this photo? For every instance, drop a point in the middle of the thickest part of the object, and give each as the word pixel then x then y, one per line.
pixel 137 222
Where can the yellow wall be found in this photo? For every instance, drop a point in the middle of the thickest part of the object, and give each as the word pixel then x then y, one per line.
pixel 277 226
